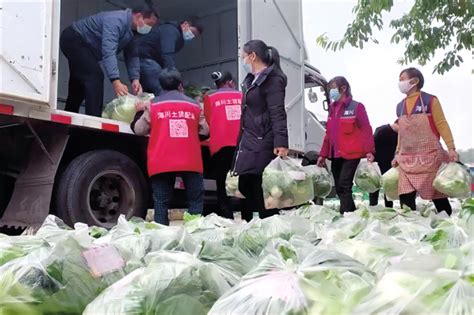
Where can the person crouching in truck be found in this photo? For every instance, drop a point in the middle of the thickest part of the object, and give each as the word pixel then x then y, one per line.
pixel 174 123
pixel 385 138
pixel 222 110
pixel 98 39
pixel 158 49
pixel 264 132
pixel 348 139
pixel 419 151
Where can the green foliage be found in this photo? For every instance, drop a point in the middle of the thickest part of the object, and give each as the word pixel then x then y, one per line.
pixel 429 26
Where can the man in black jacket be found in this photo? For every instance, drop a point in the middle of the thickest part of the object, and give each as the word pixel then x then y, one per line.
pixel 158 49
pixel 385 138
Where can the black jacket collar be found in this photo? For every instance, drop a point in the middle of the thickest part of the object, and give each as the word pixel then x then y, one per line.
pixel 261 78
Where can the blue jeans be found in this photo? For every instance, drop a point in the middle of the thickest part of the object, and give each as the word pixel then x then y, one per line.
pixel 149 76
pixel 163 187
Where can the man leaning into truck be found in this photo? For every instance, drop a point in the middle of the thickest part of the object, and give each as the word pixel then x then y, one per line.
pixel 158 49
pixel 99 38
pixel 176 125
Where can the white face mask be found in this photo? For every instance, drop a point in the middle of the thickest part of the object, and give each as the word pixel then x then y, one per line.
pixel 405 86
pixel 144 29
pixel 188 35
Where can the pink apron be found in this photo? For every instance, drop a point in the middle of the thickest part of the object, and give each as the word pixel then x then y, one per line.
pixel 420 156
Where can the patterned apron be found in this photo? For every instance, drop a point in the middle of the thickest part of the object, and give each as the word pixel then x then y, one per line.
pixel 420 156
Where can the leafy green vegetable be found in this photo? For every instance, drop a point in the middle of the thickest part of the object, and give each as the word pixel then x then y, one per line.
pixel 322 180
pixel 123 107
pixel 454 180
pixel 390 183
pixel 172 283
pixel 187 217
pixel 368 177
pixel 286 185
pixel 232 186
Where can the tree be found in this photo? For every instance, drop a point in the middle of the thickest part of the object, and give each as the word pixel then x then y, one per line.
pixel 430 25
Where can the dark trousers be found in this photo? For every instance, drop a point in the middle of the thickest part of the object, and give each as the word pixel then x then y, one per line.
pixel 222 161
pixel 86 79
pixel 343 171
pixel 441 204
pixel 149 76
pixel 250 186
pixel 374 199
pixel 163 187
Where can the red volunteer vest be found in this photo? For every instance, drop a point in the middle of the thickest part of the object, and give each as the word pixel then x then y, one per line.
pixel 223 111
pixel 349 135
pixel 174 144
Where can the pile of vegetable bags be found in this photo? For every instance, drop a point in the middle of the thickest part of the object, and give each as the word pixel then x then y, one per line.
pixel 312 260
pixel 286 184
pixel 123 107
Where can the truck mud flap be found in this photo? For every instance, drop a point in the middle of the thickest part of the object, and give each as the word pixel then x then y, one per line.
pixel 31 199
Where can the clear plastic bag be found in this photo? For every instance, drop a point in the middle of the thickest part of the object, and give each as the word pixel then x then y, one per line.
pixel 368 176
pixel 286 185
pixel 322 180
pixel 454 180
pixel 66 277
pixel 323 282
pixel 123 107
pixel 411 292
pixel 232 186
pixel 172 283
pixel 390 184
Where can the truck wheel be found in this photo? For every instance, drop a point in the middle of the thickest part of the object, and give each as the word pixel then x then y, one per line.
pixel 98 186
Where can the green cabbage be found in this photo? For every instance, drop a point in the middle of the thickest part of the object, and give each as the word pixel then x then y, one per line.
pixel 286 185
pixel 232 186
pixel 123 107
pixel 172 283
pixel 309 261
pixel 390 183
pixel 368 177
pixel 453 180
pixel 322 180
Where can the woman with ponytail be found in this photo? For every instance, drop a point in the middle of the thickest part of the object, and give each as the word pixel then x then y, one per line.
pixel 222 110
pixel 263 133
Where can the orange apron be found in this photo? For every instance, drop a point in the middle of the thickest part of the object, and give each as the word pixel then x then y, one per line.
pixel 420 156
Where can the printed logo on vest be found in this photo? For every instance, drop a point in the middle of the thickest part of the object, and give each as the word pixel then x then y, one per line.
pixel 234 101
pixel 178 128
pixel 349 112
pixel 233 112
pixel 419 108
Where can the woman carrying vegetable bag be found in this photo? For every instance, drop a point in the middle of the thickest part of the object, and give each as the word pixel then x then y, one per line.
pixel 348 139
pixel 419 152
pixel 263 132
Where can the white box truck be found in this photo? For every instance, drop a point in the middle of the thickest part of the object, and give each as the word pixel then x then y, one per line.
pixel 92 169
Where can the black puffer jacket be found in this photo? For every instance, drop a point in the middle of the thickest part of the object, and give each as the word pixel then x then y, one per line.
pixel 263 121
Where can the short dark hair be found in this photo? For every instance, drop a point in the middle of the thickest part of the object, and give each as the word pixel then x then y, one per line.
pixel 341 81
pixel 170 79
pixel 415 73
pixel 221 78
pixel 146 10
pixel 194 22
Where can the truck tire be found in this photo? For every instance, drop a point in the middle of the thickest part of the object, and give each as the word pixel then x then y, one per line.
pixel 98 186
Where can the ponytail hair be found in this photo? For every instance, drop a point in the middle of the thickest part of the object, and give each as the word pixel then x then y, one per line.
pixel 221 78
pixel 268 54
